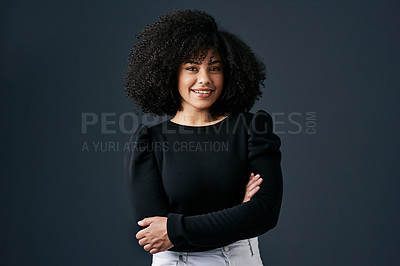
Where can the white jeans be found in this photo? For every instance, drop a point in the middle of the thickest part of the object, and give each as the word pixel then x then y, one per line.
pixel 240 253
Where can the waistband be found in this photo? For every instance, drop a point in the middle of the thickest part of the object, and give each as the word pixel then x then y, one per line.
pixel 250 243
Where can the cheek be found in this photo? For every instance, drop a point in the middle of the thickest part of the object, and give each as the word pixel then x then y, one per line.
pixel 219 82
pixel 185 81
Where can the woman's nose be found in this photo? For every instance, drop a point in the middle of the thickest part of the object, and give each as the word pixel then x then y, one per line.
pixel 204 77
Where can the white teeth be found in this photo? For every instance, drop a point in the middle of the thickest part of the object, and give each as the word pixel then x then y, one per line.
pixel 203 92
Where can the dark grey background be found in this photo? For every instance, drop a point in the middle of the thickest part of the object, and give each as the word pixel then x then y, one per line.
pixel 340 59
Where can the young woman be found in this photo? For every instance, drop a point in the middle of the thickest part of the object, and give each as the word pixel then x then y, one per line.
pixel 189 176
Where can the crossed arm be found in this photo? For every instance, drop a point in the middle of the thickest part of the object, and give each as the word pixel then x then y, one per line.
pixel 217 228
pixel 155 238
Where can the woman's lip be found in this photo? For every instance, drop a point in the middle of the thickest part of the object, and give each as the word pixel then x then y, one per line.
pixel 202 90
pixel 202 95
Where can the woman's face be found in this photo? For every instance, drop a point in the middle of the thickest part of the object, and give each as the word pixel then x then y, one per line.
pixel 200 83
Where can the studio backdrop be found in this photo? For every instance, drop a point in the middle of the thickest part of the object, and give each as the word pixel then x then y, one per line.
pixel 332 89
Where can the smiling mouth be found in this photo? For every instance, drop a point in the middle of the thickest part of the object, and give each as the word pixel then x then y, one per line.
pixel 202 91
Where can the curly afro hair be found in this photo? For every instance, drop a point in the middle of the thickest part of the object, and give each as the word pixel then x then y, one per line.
pixel 151 77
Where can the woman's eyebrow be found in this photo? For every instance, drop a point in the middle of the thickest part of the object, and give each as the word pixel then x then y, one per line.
pixel 197 63
pixel 214 62
pixel 192 62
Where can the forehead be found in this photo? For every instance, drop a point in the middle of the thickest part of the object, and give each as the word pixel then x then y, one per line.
pixel 204 53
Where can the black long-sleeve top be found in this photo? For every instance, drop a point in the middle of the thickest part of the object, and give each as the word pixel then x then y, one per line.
pixel 196 176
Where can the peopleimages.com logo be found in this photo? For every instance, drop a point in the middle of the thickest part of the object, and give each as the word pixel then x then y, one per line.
pixel 126 123
pixel 101 131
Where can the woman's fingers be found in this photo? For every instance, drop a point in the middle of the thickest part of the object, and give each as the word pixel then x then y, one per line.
pixel 254 184
pixel 253 192
pixel 252 187
pixel 252 179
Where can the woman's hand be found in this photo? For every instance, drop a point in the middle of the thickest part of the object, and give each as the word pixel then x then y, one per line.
pixel 252 187
pixel 154 238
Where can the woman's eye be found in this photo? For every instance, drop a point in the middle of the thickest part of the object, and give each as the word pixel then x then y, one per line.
pixel 215 69
pixel 191 68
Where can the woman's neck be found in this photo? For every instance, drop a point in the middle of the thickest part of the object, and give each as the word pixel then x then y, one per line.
pixel 195 118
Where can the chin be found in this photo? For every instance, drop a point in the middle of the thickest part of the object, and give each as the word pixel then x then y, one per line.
pixel 204 106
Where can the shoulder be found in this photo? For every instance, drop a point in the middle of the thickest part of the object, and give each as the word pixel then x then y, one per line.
pixel 260 120
pixel 261 132
pixel 156 131
pixel 141 131
pixel 141 136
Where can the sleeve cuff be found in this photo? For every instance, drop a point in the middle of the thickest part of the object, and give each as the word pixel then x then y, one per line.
pixel 175 229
